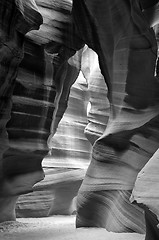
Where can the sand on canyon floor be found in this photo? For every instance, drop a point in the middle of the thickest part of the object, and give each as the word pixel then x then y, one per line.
pixel 57 228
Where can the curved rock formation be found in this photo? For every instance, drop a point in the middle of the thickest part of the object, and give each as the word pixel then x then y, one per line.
pixel 99 106
pixel 124 140
pixel 127 61
pixel 144 191
pixel 16 19
pixel 34 95
pixel 66 164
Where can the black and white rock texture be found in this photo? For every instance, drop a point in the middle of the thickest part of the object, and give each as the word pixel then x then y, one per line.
pixel 116 92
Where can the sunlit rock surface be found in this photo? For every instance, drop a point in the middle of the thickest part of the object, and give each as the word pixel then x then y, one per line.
pixel 60 172
pixel 98 109
pixel 34 110
pixel 37 101
pixel 146 185
pixel 127 125
pixel 66 165
pixel 127 60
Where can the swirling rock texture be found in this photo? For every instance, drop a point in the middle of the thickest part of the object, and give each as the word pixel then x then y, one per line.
pixel 39 100
pixel 145 192
pixel 70 149
pixel 16 19
pixel 66 164
pixel 127 60
pixel 34 95
pixel 99 106
pixel 121 34
pixel 31 118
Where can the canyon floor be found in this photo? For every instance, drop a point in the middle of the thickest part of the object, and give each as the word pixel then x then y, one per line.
pixel 57 228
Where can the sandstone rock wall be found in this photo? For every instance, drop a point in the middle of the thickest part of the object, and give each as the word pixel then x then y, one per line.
pixel 16 19
pixel 127 60
pixel 123 116
pixel 66 164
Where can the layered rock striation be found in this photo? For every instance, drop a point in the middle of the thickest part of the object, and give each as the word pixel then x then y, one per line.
pixel 34 97
pixel 16 19
pixel 66 164
pixel 122 117
pixel 127 60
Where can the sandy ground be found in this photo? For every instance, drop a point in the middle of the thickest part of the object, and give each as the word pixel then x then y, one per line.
pixel 57 228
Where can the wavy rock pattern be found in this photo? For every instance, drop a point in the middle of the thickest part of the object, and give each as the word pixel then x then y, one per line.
pixel 35 93
pixel 16 19
pixel 130 138
pixel 66 165
pixel 146 183
pixel 33 106
pixel 33 102
pixel 99 106
pixel 70 151
pixel 119 33
pixel 64 75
